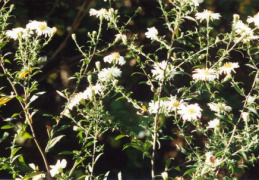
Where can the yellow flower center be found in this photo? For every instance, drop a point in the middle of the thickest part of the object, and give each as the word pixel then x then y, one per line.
pixel 191 111
pixel 206 72
pixel 228 65
pixel 176 103
pixel 115 55
pixel 42 26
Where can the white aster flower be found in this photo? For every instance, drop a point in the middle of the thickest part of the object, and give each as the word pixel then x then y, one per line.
pixel 39 177
pixel 91 91
pixel 173 103
pixel 204 74
pixel 228 67
pixel 214 123
pixel 153 107
pixel 56 169
pixel 17 32
pixel 108 74
pixel 152 33
pixel 114 57
pixel 121 37
pixel 98 13
pixel 245 116
pixel 195 2
pixel 41 28
pixel 207 15
pixel 254 19
pixel 163 70
pixel 75 100
pixel 190 112
pixel 244 33
pixel 211 160
pixel 220 108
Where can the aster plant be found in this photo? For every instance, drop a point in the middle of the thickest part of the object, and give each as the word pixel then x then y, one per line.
pixel 187 81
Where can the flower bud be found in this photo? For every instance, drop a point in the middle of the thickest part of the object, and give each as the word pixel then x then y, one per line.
pixel 89 78
pixel 98 65
pixel 164 175
pixel 236 18
pixel 74 37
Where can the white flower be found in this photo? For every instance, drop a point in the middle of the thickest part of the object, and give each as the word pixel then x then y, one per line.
pixel 254 19
pixel 98 13
pixel 207 15
pixel 190 112
pixel 219 108
pixel 163 70
pixel 108 74
pixel 173 104
pixel 56 169
pixel 214 123
pixel 41 28
pixel 17 32
pixel 39 177
pixel 75 100
pixel 121 37
pixel 91 91
pixel 152 33
pixel 164 175
pixel 228 67
pixel 245 116
pixel 244 33
pixel 211 160
pixel 204 74
pixel 195 2
pixel 115 56
pixel 153 106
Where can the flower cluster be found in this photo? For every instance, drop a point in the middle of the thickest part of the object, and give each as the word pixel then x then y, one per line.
pixel 165 106
pixel 38 27
pixel 211 74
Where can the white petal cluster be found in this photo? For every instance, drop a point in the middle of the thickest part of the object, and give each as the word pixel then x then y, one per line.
pixel 164 106
pixel 109 74
pixel 243 32
pixel 228 67
pixel 18 32
pixel 254 19
pixel 102 13
pixel 207 15
pixel 163 70
pixel 211 160
pixel 121 37
pixel 205 74
pixel 114 57
pixel 215 123
pixel 151 33
pixel 58 168
pixel 219 108
pixel 190 112
pixel 41 28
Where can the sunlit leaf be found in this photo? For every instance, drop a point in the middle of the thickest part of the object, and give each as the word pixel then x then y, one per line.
pixel 53 142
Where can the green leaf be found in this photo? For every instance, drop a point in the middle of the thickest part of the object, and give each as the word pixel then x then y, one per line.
pixel 189 171
pixel 119 137
pixel 25 135
pixel 237 88
pixel 53 142
pixel 14 151
pixel 35 96
pixel 181 149
pixel 65 153
pixel 5 135
pixel 244 155
pixel 7 127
